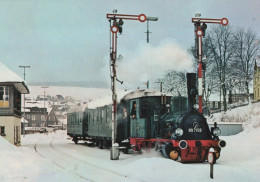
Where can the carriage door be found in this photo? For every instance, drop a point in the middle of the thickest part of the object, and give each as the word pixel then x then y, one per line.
pixel 145 114
pixel 134 115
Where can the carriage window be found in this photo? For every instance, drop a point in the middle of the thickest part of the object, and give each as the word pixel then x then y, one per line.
pixel 134 108
pixel 102 115
pixel 145 109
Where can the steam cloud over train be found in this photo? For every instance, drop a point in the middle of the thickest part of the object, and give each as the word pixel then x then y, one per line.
pixel 149 119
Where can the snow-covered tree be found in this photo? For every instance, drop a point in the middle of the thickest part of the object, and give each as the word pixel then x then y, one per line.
pixel 174 82
pixel 221 46
pixel 246 49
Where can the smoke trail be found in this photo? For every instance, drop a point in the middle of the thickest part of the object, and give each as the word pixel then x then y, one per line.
pixel 149 62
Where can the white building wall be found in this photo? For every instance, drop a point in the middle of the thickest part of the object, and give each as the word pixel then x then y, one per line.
pixel 10 123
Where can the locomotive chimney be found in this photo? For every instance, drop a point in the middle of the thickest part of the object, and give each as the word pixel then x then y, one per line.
pixel 191 90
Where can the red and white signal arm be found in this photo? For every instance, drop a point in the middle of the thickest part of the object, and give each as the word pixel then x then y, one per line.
pixel 199 33
pixel 224 21
pixel 211 157
pixel 142 18
pixel 114 29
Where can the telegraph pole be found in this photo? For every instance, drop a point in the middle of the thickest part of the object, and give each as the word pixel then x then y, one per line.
pixel 148 32
pixel 44 87
pixel 200 29
pixel 24 67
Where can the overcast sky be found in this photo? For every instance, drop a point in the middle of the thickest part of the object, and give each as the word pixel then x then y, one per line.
pixel 69 40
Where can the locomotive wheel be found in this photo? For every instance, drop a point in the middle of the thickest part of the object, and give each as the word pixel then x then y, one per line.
pixel 75 139
pixel 174 155
pixel 100 144
pixel 125 151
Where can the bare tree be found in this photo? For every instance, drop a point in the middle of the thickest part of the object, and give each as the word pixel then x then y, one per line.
pixel 209 73
pixel 175 82
pixel 246 49
pixel 221 46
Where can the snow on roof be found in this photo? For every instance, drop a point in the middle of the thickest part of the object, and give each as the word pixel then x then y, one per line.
pixel 39 104
pixel 6 146
pixel 107 100
pixel 24 120
pixel 78 108
pixel 122 94
pixel 8 75
pixel 143 93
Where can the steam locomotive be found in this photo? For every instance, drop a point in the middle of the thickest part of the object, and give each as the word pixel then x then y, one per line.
pixel 150 119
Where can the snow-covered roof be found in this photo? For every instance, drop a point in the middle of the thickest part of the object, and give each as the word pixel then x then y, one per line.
pixel 8 76
pixel 77 108
pixel 24 120
pixel 143 93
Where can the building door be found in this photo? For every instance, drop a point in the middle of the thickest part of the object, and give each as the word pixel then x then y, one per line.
pixel 16 135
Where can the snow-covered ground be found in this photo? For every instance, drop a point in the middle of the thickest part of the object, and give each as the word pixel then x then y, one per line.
pixel 54 157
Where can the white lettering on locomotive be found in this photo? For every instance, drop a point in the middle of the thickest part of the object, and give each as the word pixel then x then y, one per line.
pixel 195 129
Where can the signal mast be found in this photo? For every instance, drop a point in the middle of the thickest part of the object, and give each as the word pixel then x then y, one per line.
pixel 200 30
pixel 116 23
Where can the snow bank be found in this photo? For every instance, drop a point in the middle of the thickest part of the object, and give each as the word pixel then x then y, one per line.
pixel 248 115
pixel 6 146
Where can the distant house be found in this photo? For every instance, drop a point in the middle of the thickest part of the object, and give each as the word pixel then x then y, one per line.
pixel 52 119
pixel 36 116
pixel 57 117
pixel 59 97
pixel 257 80
pixel 11 88
pixel 240 97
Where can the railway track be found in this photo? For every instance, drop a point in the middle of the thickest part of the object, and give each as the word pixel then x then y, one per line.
pixel 60 166
pixel 66 161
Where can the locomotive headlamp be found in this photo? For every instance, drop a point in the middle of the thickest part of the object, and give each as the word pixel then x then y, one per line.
pixel 179 132
pixel 216 132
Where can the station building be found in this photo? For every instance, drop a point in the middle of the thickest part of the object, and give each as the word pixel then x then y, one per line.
pixel 11 88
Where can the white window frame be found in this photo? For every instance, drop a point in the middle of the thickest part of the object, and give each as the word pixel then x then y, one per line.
pixel 43 118
pixel 33 117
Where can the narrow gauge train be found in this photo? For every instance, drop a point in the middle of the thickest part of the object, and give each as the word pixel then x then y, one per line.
pixel 138 115
pixel 147 119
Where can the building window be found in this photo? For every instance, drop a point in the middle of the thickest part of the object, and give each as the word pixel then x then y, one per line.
pixel 33 117
pixel 216 105
pixel 42 117
pixel 28 116
pixel 211 105
pixel 4 96
pixel 2 130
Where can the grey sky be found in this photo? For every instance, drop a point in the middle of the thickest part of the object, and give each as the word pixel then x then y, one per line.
pixel 69 40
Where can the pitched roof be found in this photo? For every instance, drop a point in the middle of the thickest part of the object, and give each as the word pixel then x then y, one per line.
pixel 8 76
